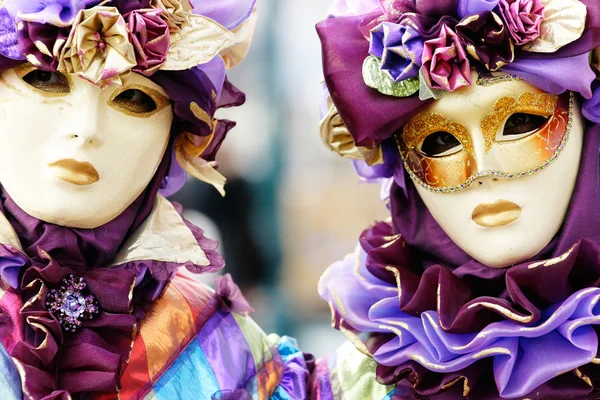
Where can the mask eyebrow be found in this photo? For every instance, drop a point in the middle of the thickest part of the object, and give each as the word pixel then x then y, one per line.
pixel 494 80
pixel 425 123
pixel 542 104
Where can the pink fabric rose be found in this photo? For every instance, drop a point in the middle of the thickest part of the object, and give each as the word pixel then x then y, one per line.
pixel 150 36
pixel 523 19
pixel 445 62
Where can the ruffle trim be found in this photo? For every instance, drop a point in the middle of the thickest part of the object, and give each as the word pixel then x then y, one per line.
pixel 433 323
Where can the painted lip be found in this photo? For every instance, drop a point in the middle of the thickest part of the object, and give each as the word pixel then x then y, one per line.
pixel 75 172
pixel 500 213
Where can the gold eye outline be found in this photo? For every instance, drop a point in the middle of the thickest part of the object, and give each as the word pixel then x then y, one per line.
pixel 425 124
pixel 25 69
pixel 501 138
pixel 159 99
pixel 458 147
pixel 542 104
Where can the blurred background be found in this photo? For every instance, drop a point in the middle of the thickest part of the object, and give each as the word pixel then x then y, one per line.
pixel 292 207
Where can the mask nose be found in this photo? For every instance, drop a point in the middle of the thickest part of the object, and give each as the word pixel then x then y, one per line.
pixel 82 126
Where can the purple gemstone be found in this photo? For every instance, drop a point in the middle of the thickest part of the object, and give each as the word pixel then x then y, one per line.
pixel 70 305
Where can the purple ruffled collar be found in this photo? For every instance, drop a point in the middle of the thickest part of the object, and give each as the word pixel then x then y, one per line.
pixel 439 322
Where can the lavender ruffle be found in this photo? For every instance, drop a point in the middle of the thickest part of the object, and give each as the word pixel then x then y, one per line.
pixel 295 372
pixel 229 13
pixel 368 304
pixel 9 46
pixel 11 263
pixel 44 11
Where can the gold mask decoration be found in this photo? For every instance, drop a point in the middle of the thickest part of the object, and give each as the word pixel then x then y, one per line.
pixel 455 166
pixel 337 138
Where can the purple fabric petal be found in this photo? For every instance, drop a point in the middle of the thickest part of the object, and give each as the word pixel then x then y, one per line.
pixel 11 263
pixel 216 72
pixel 47 11
pixel 400 47
pixel 176 177
pixel 555 75
pixel 435 8
pixel 523 18
pixel 445 62
pixel 229 13
pixel 185 87
pixel 231 297
pixel 9 46
pixel 591 107
pixel 150 36
pixel 471 7
pixel 487 40
pixel 374 173
pixel 35 36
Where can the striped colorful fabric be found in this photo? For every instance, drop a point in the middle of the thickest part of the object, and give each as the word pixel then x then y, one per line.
pixel 187 348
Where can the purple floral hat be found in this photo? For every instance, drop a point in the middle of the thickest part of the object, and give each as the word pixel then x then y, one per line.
pixel 384 60
pixel 186 46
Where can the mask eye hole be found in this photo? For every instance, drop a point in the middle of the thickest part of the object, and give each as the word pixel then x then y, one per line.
pixel 520 125
pixel 138 101
pixel 48 81
pixel 135 101
pixel 440 144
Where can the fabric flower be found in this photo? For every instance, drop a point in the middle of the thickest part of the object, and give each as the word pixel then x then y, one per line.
pixel 523 19
pixel 400 48
pixel 42 43
pixel 150 37
pixel 231 297
pixel 445 62
pixel 98 48
pixel 177 12
pixel 487 40
pixel 57 12
pixel 564 22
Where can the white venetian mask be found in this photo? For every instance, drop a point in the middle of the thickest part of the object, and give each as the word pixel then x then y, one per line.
pixel 496 165
pixel 76 155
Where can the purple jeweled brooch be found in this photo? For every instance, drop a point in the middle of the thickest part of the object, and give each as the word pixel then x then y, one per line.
pixel 71 305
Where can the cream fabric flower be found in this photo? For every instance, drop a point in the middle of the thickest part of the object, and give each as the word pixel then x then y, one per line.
pixel 98 48
pixel 177 12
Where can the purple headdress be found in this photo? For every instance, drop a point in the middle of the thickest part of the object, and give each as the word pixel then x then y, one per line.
pixel 184 46
pixel 385 60
pixel 438 323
